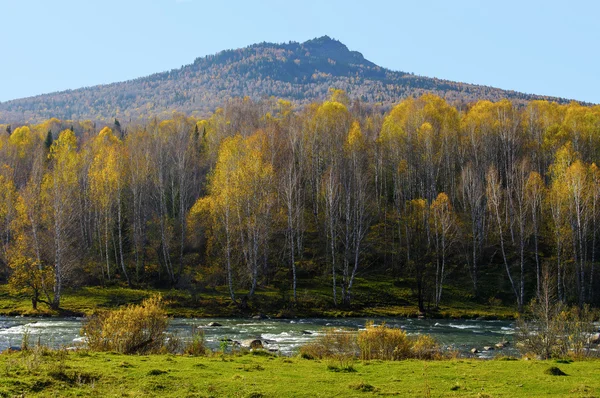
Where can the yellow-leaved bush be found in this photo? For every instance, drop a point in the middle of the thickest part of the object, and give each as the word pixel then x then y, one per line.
pixel 135 329
pixel 375 342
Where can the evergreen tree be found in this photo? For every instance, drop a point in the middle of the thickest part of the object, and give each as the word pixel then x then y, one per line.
pixel 49 140
pixel 117 128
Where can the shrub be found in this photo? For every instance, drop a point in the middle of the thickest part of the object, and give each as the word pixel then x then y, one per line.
pixel 375 342
pixel 331 344
pixel 552 330
pixel 197 345
pixel 426 347
pixel 381 342
pixel 135 329
pixel 26 340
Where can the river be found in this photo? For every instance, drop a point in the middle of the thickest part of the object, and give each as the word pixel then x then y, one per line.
pixel 284 335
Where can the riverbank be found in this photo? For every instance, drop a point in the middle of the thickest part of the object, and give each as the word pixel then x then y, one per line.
pixel 372 298
pixel 60 373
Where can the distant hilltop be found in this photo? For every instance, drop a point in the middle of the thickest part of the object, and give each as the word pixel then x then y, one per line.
pixel 299 72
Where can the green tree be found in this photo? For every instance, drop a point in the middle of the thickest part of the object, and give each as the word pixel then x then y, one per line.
pixel 49 139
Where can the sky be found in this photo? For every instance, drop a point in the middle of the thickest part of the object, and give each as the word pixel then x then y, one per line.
pixel 539 47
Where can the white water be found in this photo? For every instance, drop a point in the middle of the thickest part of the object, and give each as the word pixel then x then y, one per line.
pixel 284 335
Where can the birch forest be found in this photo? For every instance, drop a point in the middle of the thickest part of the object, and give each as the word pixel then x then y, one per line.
pixel 487 196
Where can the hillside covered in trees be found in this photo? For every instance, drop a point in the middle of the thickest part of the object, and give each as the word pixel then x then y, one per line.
pixel 500 198
pixel 297 72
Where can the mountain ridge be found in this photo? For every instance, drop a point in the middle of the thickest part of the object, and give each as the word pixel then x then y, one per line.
pixel 300 72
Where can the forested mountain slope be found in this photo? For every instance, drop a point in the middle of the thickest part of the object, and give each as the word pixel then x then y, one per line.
pixel 300 72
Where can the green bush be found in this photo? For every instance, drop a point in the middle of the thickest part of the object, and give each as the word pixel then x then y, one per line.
pixel 135 329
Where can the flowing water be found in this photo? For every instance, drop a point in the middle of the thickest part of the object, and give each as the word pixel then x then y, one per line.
pixel 283 335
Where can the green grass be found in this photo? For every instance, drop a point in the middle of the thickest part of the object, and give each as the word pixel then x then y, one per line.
pixel 86 300
pixel 108 374
pixel 372 297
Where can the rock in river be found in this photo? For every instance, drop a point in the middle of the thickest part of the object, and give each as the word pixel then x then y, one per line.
pixel 253 344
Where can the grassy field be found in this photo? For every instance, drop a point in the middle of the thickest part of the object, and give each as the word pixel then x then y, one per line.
pixel 107 375
pixel 372 297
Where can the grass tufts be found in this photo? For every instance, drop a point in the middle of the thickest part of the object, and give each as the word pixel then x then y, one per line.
pixel 565 361
pixel 362 387
pixel 197 345
pixel 554 371
pixel 156 372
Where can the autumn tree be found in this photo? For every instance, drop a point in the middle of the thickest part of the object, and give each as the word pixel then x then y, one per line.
pixel 291 189
pixel 445 230
pixel 496 198
pixel 576 180
pixel 418 240
pixel 474 203
pixel 29 273
pixel 239 203
pixel 59 201
pixel 535 195
pixel 107 176
pixel 140 171
pixel 8 213
pixel 355 206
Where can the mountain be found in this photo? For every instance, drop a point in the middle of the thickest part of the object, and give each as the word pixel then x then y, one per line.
pixel 300 72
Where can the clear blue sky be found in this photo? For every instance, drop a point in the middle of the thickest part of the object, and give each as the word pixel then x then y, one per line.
pixel 541 47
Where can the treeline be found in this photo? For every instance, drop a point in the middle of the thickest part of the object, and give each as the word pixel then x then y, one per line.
pixel 262 193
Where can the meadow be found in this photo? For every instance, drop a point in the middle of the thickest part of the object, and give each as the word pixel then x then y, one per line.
pixel 41 373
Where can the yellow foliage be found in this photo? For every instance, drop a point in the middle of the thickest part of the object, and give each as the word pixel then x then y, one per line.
pixel 381 342
pixel 135 329
pixel 241 184
pixel 331 113
pixel 563 158
pixel 425 347
pixel 331 343
pixel 393 129
pixel 355 140
pixel 340 96
pixel 385 343
pixel 22 139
